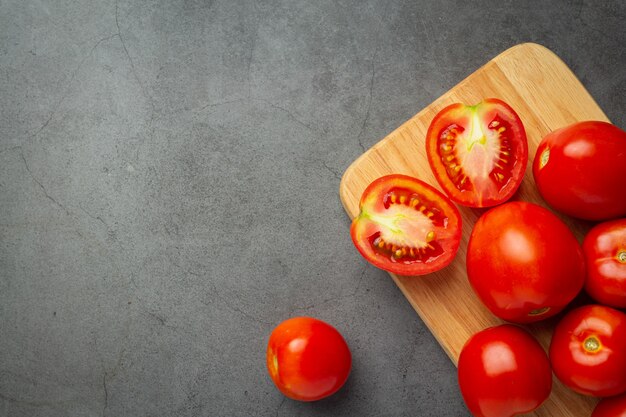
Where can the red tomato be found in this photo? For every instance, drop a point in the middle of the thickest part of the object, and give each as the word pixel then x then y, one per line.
pixel 308 359
pixel 523 263
pixel 406 226
pixel 605 253
pixel 580 170
pixel 503 371
pixel 478 153
pixel 588 350
pixel 611 407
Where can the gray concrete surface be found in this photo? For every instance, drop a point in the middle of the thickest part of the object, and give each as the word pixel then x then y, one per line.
pixel 168 191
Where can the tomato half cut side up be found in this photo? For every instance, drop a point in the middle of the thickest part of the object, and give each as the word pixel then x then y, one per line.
pixel 406 226
pixel 478 153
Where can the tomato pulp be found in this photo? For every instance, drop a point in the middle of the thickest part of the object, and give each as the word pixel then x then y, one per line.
pixel 478 153
pixel 503 371
pixel 406 227
pixel 605 255
pixel 307 359
pixel 524 263
pixel 588 350
pixel 580 170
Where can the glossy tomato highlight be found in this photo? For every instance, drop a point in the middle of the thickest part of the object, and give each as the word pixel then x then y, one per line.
pixel 588 351
pixel 406 227
pixel 523 262
pixel 605 254
pixel 503 371
pixel 478 153
pixel 580 170
pixel 307 359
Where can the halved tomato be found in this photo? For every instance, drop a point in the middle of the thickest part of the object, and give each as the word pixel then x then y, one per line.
pixel 478 153
pixel 406 226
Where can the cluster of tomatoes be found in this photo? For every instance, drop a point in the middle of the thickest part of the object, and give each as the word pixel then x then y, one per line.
pixel 523 262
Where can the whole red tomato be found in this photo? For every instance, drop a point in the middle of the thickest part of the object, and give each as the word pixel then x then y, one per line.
pixel 605 254
pixel 478 153
pixel 588 350
pixel 503 371
pixel 307 358
pixel 523 262
pixel 405 226
pixel 611 407
pixel 580 170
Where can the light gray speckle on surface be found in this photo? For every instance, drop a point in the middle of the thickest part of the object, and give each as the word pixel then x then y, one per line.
pixel 169 176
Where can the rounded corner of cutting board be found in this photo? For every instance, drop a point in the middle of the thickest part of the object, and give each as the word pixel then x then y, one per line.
pixel 348 177
pixel 550 95
pixel 528 47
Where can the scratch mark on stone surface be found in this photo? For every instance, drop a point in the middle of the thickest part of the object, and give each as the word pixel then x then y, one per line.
pixel 580 9
pixel 330 169
pixel 606 36
pixel 222 103
pixel 339 297
pixel 12 148
pixel 234 308
pixel 333 171
pixel 185 270
pixel 158 318
pixel 279 407
pixel 106 394
pixel 98 218
pixel 196 110
pixel 220 297
pixel 249 69
pixel 430 40
pixel 48 196
pixel 54 404
pixel 68 85
pixel 289 113
pixel 132 63
pixel 369 101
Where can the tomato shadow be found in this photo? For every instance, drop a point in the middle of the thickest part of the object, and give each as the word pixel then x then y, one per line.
pixel 340 402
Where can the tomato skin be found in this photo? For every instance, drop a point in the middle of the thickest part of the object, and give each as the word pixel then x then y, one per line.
pixel 478 153
pixel 307 359
pixel 588 350
pixel 611 407
pixel 406 227
pixel 605 255
pixel 585 170
pixel 503 371
pixel 524 264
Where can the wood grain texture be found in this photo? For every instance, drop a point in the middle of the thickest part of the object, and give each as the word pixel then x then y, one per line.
pixel 547 96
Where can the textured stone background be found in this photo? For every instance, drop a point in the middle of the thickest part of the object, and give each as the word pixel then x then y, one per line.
pixel 169 176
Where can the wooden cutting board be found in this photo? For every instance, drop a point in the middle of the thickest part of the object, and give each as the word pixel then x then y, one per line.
pixel 546 95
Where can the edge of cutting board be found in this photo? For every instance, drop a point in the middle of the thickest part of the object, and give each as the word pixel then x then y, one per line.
pixel 509 68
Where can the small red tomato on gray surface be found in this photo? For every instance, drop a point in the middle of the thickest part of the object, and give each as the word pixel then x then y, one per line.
pixel 308 359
